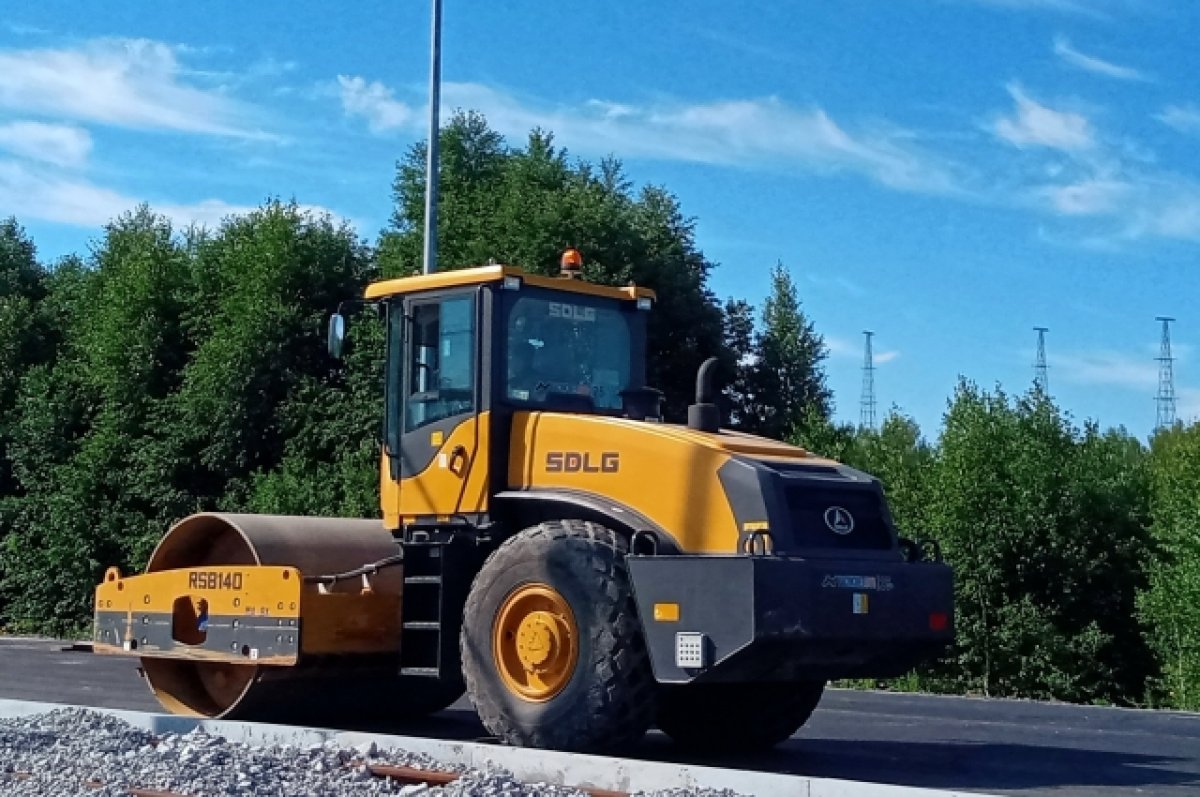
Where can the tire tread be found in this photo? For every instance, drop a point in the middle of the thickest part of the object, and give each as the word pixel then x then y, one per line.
pixel 620 703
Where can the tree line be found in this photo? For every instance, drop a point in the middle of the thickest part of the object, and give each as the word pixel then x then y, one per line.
pixel 170 371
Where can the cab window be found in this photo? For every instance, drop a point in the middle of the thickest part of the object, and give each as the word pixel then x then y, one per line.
pixel 574 352
pixel 441 361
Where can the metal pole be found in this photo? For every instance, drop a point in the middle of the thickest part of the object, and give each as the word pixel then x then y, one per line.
pixel 431 154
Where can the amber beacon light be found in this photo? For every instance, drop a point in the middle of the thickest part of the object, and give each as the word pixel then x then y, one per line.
pixel 571 264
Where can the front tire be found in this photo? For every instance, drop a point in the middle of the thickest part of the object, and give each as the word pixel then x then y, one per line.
pixel 552 650
pixel 729 718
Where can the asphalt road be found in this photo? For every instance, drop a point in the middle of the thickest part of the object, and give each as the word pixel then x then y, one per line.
pixel 996 746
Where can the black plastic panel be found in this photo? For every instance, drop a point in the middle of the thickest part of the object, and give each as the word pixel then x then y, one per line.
pixel 775 618
pixel 812 504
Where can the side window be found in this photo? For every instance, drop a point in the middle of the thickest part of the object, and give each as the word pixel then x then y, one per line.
pixel 441 361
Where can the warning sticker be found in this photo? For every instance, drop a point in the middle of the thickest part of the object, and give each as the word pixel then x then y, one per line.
pixel 861 603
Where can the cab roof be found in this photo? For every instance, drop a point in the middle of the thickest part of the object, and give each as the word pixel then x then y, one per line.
pixel 496 273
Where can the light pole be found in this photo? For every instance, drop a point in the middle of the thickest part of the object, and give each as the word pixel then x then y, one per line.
pixel 431 153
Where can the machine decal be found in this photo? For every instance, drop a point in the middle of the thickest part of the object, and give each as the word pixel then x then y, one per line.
pixel 582 462
pixel 214 580
pixel 839 520
pixel 877 583
pixel 573 312
pixel 861 603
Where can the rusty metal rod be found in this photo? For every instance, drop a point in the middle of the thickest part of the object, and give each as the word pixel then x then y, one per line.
pixel 432 778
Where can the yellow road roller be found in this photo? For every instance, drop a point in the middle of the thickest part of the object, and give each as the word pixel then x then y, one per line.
pixel 548 546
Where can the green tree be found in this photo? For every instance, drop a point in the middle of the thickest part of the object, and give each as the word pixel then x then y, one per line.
pixel 99 406
pixel 24 343
pixel 1039 548
pixel 23 340
pixel 331 462
pixel 1111 544
pixel 737 394
pixel 780 389
pixel 266 283
pixel 1171 603
pixel 524 206
pixel 902 460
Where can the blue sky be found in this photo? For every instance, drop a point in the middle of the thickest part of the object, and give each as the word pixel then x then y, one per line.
pixel 947 173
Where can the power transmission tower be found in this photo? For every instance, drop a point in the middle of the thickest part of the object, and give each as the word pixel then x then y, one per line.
pixel 1166 377
pixel 866 418
pixel 1041 372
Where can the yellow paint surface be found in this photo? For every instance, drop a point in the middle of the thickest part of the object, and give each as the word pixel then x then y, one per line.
pixel 666 473
pixel 439 490
pixel 476 276
pixel 666 612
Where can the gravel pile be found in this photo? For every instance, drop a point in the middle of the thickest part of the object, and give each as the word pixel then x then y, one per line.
pixel 70 752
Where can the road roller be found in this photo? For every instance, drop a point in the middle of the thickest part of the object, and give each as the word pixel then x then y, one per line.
pixel 547 545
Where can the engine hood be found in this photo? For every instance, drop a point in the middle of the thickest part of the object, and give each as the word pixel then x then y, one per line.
pixel 705 490
pixel 744 445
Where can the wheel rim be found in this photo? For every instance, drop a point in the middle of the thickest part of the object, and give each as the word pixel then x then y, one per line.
pixel 535 642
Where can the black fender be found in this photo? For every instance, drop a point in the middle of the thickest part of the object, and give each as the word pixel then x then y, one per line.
pixel 524 508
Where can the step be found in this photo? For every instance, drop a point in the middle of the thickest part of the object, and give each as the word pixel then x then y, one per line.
pixel 422 626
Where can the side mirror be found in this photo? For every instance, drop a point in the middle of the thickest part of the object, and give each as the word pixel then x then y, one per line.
pixel 337 335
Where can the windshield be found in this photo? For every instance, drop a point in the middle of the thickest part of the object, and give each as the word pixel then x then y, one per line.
pixel 573 352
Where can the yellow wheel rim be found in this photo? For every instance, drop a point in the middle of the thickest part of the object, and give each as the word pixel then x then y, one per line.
pixel 535 642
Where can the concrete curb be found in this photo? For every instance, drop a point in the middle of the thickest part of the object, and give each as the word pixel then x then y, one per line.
pixel 532 766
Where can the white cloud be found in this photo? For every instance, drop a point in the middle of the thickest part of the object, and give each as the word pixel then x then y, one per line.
pixel 751 132
pixel 1090 63
pixel 846 349
pixel 206 213
pixel 1088 197
pixel 1187 404
pixel 1183 118
pixel 375 102
pixel 1140 207
pixel 211 212
pixel 1038 125
pixel 762 133
pixel 1070 169
pixel 31 192
pixel 61 145
pixel 1105 368
pixel 135 83
pixel 1171 210
pixel 20 29
pixel 840 347
pixel 1093 8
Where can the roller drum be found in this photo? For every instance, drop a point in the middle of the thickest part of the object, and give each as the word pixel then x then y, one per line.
pixel 327 688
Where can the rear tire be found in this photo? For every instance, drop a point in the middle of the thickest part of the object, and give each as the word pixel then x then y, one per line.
pixel 552 650
pixel 720 718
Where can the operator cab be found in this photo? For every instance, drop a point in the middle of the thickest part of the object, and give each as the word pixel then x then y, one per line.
pixel 466 349
pixel 470 340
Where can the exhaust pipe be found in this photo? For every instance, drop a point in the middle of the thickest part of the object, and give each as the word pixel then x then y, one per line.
pixel 704 415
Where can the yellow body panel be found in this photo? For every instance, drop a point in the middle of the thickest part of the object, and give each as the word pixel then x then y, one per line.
pixel 667 473
pixel 450 485
pixel 252 591
pixel 168 597
pixel 346 621
pixel 484 274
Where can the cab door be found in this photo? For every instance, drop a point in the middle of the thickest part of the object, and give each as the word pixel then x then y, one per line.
pixel 436 435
